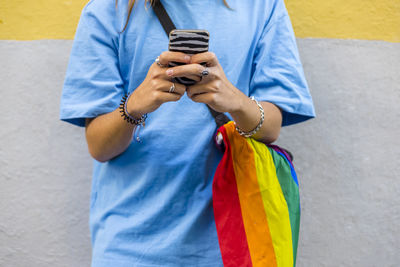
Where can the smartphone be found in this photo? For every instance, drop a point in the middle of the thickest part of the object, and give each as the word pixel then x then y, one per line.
pixel 189 42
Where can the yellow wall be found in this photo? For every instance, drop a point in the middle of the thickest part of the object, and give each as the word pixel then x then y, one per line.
pixel 345 19
pixel 39 19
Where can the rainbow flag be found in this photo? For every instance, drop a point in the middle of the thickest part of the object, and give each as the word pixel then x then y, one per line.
pixel 256 203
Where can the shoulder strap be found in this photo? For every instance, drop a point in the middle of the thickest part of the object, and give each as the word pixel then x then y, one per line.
pixel 168 25
pixel 163 17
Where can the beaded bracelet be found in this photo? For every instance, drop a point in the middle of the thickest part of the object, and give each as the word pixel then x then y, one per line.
pixel 128 117
pixel 248 134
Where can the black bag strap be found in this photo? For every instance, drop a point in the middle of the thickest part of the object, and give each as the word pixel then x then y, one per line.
pixel 168 25
pixel 163 17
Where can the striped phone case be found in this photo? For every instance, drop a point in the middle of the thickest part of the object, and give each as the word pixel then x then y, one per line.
pixel 190 42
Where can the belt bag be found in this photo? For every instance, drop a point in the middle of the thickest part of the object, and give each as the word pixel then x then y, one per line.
pixel 255 195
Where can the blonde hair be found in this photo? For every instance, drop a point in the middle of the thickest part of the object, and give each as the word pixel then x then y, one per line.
pixel 132 2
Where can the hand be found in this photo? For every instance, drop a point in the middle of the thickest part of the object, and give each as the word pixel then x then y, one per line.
pixel 214 89
pixel 154 90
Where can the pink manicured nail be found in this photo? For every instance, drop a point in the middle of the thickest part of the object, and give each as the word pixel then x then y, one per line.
pixel 170 72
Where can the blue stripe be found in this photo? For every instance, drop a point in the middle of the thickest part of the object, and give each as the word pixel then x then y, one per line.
pixel 293 172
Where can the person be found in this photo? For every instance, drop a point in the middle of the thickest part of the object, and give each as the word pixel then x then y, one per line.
pixel 151 197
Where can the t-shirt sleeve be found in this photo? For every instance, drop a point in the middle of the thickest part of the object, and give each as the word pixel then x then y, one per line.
pixel 278 75
pixel 93 83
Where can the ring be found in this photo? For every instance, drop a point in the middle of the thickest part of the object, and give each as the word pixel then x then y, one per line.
pixel 172 88
pixel 159 64
pixel 205 72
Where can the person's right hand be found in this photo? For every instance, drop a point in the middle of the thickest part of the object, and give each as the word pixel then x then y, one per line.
pixel 154 90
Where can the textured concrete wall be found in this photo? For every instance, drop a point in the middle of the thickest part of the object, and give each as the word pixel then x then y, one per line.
pixel 346 19
pixel 45 171
pixel 347 158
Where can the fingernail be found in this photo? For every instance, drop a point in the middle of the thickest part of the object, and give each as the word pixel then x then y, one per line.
pixel 170 72
pixel 187 58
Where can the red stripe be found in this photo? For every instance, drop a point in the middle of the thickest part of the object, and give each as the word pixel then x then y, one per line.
pixel 228 216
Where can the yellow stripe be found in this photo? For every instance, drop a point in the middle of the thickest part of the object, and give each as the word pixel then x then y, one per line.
pixel 354 19
pixel 39 19
pixel 346 19
pixel 274 204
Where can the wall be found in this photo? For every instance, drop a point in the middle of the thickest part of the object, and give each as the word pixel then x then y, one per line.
pixel 347 158
pixel 344 19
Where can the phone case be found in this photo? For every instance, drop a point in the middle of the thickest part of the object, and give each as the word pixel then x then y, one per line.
pixel 190 42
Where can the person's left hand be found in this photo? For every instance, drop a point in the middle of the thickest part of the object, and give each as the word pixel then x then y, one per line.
pixel 213 89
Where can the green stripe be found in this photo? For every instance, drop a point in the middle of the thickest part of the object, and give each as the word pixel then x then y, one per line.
pixel 291 192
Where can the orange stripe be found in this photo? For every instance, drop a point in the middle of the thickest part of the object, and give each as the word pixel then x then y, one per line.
pixel 254 217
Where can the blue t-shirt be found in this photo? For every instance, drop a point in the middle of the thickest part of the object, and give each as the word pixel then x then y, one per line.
pixel 152 205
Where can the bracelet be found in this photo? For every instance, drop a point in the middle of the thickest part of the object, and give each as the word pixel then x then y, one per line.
pixel 248 134
pixel 128 117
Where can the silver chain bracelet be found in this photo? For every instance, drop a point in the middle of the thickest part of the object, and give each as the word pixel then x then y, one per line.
pixel 249 134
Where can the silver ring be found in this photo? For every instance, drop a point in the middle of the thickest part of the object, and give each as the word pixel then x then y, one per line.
pixel 205 72
pixel 157 60
pixel 172 88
